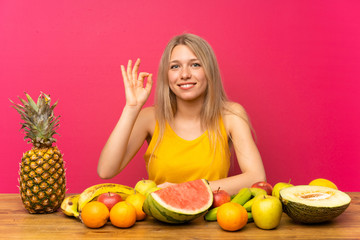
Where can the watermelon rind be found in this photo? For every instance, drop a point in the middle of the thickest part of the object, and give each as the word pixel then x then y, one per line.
pixel 161 211
pixel 325 205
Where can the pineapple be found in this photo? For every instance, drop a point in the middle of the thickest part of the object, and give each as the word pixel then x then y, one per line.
pixel 42 175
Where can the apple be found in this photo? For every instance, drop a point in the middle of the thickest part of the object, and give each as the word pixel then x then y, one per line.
pixel 267 212
pixel 143 186
pixel 264 185
pixel 220 197
pixel 109 199
pixel 279 186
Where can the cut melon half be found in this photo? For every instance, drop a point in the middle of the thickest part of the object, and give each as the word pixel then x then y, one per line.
pixel 313 204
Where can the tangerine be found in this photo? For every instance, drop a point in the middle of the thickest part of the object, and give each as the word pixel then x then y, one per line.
pixel 232 216
pixel 123 215
pixel 95 214
pixel 137 200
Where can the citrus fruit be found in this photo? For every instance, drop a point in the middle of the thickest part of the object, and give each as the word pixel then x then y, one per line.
pixel 94 214
pixel 123 215
pixel 137 200
pixel 231 216
pixel 323 182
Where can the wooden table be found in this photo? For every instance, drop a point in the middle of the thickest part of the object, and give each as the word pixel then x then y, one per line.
pixel 17 223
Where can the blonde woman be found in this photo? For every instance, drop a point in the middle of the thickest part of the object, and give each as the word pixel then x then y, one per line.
pixel 190 129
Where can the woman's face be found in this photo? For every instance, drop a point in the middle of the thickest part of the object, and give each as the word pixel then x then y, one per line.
pixel 186 74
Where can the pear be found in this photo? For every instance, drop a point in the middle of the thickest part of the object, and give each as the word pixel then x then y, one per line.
pixel 257 191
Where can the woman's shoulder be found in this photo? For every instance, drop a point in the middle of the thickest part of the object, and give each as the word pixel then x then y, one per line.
pixel 148 111
pixel 147 114
pixel 234 109
pixel 147 117
pixel 233 114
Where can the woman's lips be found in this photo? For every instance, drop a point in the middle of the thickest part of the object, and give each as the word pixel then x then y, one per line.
pixel 186 85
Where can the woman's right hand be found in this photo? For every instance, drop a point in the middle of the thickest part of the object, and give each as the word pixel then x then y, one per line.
pixel 135 92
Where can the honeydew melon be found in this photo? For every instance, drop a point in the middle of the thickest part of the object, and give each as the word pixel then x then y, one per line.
pixel 313 204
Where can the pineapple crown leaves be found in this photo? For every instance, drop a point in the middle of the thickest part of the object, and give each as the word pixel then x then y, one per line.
pixel 39 122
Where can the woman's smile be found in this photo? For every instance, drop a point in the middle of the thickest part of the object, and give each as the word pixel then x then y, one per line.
pixel 186 86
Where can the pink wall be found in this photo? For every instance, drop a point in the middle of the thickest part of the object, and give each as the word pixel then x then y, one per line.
pixel 294 65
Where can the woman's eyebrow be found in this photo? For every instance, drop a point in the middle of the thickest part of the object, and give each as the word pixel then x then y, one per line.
pixel 190 60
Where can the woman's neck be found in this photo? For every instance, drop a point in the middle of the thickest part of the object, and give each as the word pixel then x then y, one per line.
pixel 187 120
pixel 189 110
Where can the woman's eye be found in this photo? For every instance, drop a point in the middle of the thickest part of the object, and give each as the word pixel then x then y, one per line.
pixel 196 65
pixel 174 66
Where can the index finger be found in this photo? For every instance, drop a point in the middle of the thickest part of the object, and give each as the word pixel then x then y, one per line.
pixel 135 69
pixel 129 71
pixel 125 78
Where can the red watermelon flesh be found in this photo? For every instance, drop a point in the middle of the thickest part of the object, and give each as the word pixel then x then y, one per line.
pixel 187 197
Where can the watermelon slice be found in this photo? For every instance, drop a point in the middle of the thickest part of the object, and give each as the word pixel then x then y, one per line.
pixel 179 203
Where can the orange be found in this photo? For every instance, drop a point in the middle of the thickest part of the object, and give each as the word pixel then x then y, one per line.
pixel 94 214
pixel 137 200
pixel 123 215
pixel 232 216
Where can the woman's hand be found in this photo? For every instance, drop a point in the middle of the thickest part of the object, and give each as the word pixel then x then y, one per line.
pixel 135 92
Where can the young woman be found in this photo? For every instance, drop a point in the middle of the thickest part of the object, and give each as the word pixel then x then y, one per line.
pixel 190 129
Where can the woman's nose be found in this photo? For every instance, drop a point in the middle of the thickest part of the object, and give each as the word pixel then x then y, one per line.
pixel 185 73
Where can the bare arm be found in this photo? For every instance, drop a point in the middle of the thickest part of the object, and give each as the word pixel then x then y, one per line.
pixel 247 154
pixel 131 130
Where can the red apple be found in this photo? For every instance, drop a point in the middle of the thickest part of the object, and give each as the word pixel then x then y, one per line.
pixel 263 185
pixel 220 197
pixel 109 199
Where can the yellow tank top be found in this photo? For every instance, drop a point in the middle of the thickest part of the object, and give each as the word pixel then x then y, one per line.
pixel 178 160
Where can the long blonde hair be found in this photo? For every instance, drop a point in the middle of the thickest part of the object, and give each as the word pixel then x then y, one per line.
pixel 215 96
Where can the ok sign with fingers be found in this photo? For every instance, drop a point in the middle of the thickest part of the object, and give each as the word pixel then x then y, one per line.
pixel 135 92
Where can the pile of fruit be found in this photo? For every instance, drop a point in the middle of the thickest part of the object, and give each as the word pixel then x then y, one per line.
pixel 250 204
pixel 261 203
pixel 319 201
pixel 98 204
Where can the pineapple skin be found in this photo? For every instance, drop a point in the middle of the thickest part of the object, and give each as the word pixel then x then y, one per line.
pixel 42 180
